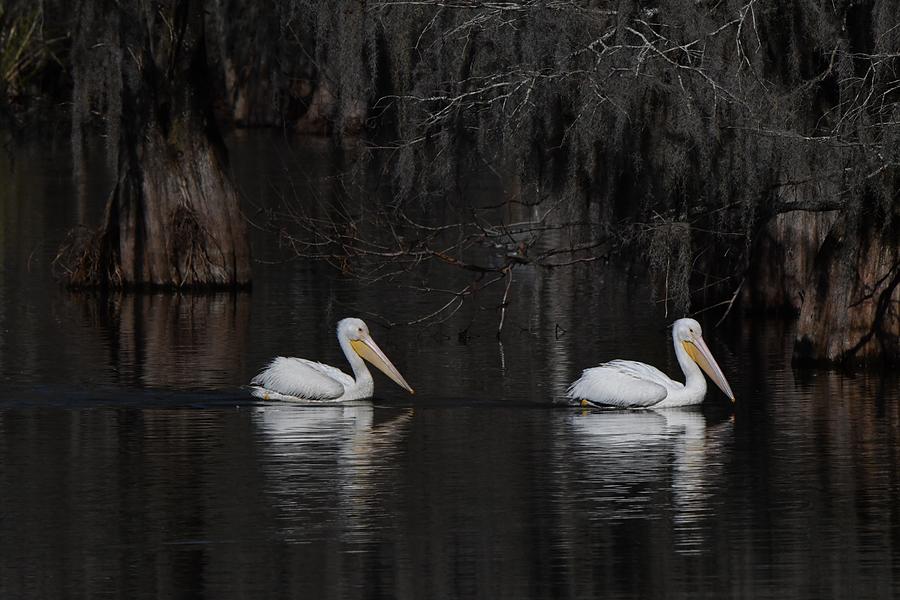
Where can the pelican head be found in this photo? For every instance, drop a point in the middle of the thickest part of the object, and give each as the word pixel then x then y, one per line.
pixel 688 333
pixel 357 333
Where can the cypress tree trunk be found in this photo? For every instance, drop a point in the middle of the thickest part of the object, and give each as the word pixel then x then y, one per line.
pixel 784 252
pixel 851 310
pixel 173 217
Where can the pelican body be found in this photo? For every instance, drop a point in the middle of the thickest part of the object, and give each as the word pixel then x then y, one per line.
pixel 630 384
pixel 297 379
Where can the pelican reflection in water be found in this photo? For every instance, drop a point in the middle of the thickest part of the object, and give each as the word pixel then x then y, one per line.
pixel 629 460
pixel 631 384
pixel 330 470
pixel 297 379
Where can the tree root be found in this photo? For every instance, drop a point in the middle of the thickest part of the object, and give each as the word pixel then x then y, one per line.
pixel 84 260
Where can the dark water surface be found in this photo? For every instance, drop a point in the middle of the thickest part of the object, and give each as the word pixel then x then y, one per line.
pixel 133 465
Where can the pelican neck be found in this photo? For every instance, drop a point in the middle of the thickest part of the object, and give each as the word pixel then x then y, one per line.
pixel 360 371
pixel 692 373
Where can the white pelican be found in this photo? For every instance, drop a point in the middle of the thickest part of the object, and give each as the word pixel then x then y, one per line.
pixel 288 378
pixel 630 384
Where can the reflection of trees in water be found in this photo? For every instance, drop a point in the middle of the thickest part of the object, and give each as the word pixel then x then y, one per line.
pixel 174 340
pixel 121 502
pixel 481 516
pixel 822 495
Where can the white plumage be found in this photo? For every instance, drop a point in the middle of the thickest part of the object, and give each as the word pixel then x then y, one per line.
pixel 631 384
pixel 623 383
pixel 298 379
pixel 302 379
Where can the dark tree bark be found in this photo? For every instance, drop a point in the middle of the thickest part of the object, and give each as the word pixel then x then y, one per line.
pixel 851 312
pixel 173 218
pixel 782 261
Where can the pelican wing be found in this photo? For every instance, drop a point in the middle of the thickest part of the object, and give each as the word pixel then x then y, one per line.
pixel 622 383
pixel 299 378
pixel 645 372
